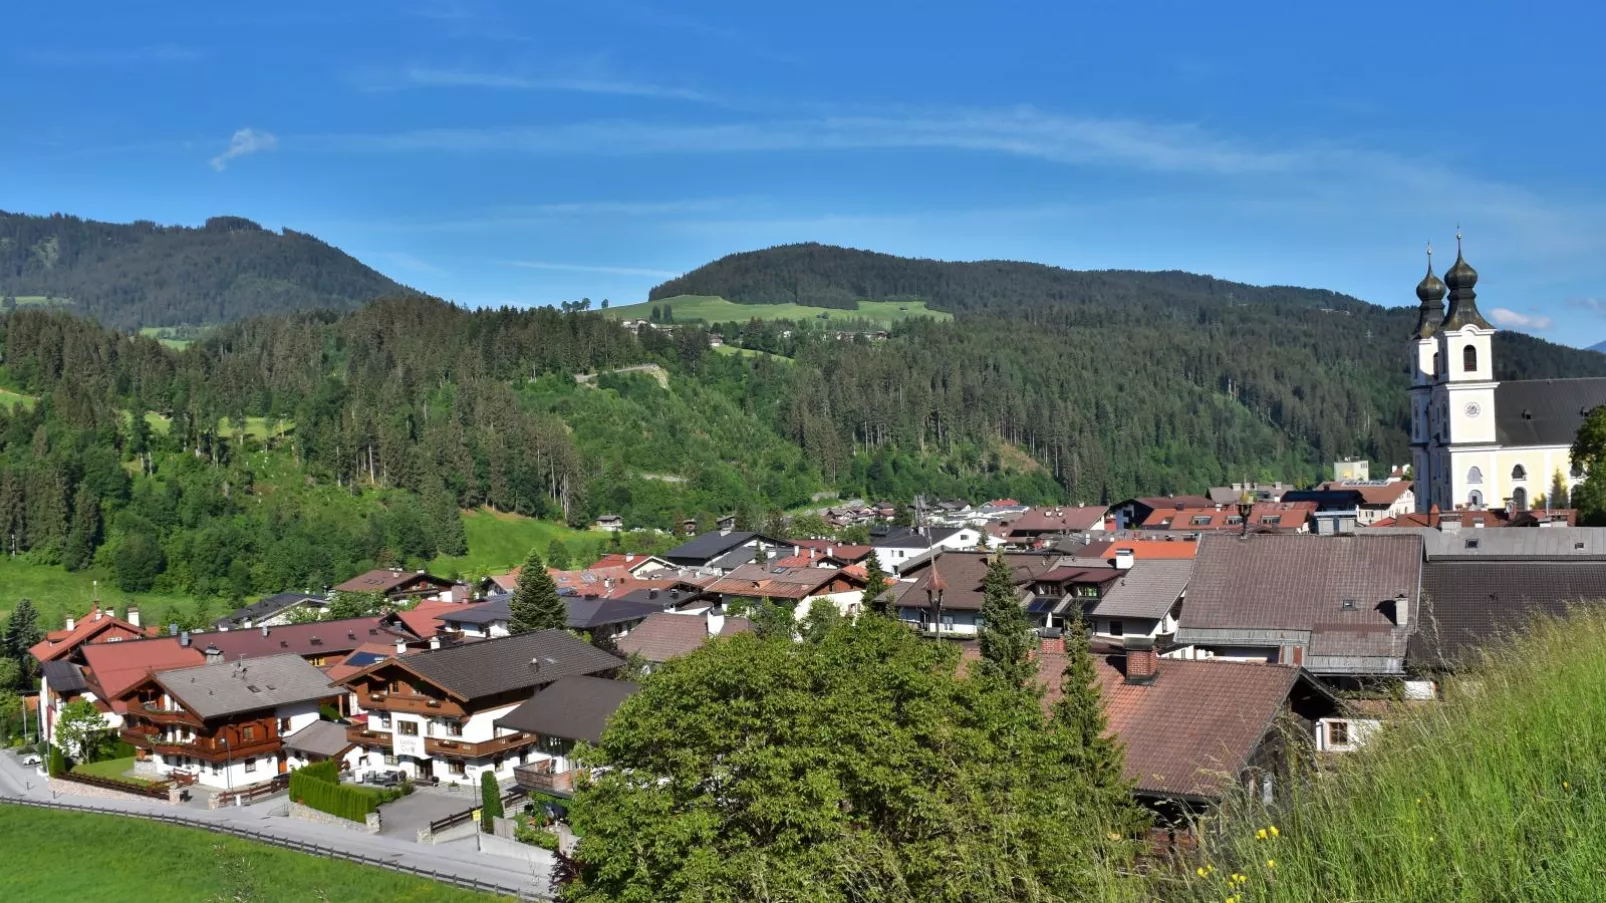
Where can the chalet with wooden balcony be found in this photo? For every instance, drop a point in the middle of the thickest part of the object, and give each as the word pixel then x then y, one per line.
pixel 434 713
pixel 223 723
pixel 398 585
pixel 559 716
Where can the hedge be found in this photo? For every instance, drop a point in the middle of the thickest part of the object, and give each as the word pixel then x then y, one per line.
pixel 318 786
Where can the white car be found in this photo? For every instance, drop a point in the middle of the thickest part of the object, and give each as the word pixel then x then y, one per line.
pixel 30 759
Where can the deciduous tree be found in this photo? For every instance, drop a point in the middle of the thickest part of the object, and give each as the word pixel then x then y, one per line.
pixel 82 731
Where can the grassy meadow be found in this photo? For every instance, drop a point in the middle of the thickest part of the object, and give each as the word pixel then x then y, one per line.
pixel 713 309
pixel 45 850
pixel 1498 793
pixel 499 542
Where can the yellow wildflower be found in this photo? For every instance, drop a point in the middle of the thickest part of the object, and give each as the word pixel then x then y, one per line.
pixel 1566 786
pixel 1273 830
pixel 1271 863
pixel 1200 871
pixel 1261 834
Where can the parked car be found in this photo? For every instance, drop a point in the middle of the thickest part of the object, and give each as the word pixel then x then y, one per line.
pixel 385 778
pixel 30 758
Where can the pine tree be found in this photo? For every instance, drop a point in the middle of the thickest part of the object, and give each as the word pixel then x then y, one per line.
pixel 21 633
pixel 490 801
pixel 1006 634
pixel 1559 497
pixel 1080 710
pixel 536 604
pixel 875 598
pixel 84 535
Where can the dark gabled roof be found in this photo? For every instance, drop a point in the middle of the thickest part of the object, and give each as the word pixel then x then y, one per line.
pixel 1470 605
pixel 320 738
pixel 505 664
pixel 708 546
pixel 1544 411
pixel 310 638
pixel 586 613
pixel 214 691
pixel 267 607
pixel 493 609
pixel 574 708
pixel 64 677
pixel 1149 589
pixel 963 572
pixel 1297 581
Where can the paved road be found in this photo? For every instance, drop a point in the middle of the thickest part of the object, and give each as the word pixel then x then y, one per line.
pixel 460 860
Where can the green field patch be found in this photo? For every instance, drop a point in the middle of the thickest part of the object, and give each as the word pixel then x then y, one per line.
pixel 44 860
pixel 735 351
pixel 57 592
pixel 713 309
pixel 499 542
pixel 10 399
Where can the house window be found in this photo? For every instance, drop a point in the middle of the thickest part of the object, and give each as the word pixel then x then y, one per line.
pixel 1202 520
pixel 317 661
pixel 1519 473
pixel 452 728
pixel 390 759
pixel 1469 359
pixel 1272 520
pixel 1118 628
pixel 1519 499
pixel 456 768
pixel 1475 499
pixel 407 728
pixel 248 733
pixel 1234 520
pixel 250 765
pixel 1338 733
pixel 284 726
pixel 1474 477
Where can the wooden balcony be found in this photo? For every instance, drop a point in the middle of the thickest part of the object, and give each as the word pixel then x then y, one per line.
pixel 362 736
pixel 156 714
pixel 209 749
pixel 457 749
pixel 409 703
pixel 539 777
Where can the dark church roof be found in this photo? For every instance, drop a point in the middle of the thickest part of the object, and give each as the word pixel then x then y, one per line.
pixel 1544 411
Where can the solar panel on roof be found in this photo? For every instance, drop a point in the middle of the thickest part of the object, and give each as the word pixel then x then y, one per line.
pixel 1039 606
pixel 364 659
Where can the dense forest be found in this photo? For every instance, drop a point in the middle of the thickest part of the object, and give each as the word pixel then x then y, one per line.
pixel 142 274
pixel 293 449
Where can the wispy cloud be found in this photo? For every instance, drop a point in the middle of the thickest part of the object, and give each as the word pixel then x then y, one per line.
pixel 244 143
pixel 587 268
pixel 401 260
pixel 1023 132
pixel 578 84
pixel 1596 306
pixel 1503 316
pixel 152 53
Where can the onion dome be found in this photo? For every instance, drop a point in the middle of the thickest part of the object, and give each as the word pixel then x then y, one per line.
pixel 1461 278
pixel 1430 291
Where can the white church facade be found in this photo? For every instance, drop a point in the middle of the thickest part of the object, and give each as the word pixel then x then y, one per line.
pixel 1477 442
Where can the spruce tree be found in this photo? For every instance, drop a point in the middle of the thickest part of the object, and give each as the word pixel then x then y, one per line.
pixel 1080 711
pixel 536 604
pixel 1559 496
pixel 875 597
pixel 557 555
pixel 21 633
pixel 1006 634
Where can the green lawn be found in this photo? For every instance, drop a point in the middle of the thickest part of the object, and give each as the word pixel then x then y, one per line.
pixel 712 309
pixel 750 352
pixel 498 542
pixel 45 860
pixel 117 769
pixel 56 591
pixel 172 336
pixel 10 399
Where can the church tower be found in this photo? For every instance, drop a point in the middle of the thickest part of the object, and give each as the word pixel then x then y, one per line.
pixel 1425 348
pixel 1464 389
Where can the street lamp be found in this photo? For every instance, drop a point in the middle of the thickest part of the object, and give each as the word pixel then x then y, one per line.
pixel 228 770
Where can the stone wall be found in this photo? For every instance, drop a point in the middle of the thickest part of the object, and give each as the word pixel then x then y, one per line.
pixel 58 785
pixel 307 813
pixel 512 849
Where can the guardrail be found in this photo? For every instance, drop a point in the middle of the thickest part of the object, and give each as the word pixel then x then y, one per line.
pixel 298 846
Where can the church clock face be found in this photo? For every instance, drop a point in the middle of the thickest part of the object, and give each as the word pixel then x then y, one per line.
pixel 1473 409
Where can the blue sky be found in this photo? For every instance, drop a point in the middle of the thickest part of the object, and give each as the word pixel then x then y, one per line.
pixel 526 153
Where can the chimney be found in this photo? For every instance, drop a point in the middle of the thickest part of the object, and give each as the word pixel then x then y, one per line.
pixel 264 630
pixel 716 620
pixel 1402 609
pixel 1450 522
pixel 133 615
pixel 797 551
pixel 97 613
pixel 172 629
pixel 652 594
pixel 1142 662
pixel 71 622
pixel 213 656
pixel 435 641
pixel 535 663
pixel 246 622
pixel 401 647
pixel 1124 559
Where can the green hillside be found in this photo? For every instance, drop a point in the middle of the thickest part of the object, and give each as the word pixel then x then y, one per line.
pixel 712 309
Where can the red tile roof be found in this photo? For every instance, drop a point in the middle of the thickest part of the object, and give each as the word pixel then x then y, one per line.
pixel 114 667
pixel 1191 731
pixel 1142 548
pixel 424 618
pixel 95 627
pixel 1371 493
pixel 666 635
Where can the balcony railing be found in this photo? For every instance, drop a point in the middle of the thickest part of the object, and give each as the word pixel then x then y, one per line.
pixel 458 749
pixel 157 713
pixel 539 776
pixel 362 736
pixel 420 705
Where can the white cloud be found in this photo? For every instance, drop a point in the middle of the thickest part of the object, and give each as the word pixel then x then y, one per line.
pixel 244 143
pixel 585 268
pixel 1513 320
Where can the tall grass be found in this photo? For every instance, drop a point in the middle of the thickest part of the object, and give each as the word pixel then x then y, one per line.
pixel 1497 793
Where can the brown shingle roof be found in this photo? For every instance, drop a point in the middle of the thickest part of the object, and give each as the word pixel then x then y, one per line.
pixel 774 582
pixel 1371 493
pixel 1192 731
pixel 574 708
pixel 665 635
pixel 1059 520
pixel 1148 590
pixel 388 580
pixel 505 664
pixel 963 572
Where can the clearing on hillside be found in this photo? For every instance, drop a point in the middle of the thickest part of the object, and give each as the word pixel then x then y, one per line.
pixel 712 309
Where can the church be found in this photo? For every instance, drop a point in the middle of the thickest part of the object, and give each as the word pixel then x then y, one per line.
pixel 1477 442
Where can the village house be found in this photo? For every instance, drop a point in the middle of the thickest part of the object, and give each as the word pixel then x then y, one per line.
pixel 701 550
pixel 60 658
pixel 1040 523
pixel 1195 731
pixel 1130 513
pixel 943 595
pixel 669 635
pixel 1342 507
pixel 1059 596
pixel 565 712
pixel 1264 517
pixel 796 586
pixel 222 723
pixel 1343 607
pixel 433 714
pixel 902 548
pixel 1145 601
pixel 1142 547
pixel 397 585
pixel 610 523
pixel 492 618
pixel 279 608
pixel 1260 492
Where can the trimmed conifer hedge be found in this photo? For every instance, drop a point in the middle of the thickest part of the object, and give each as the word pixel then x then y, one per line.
pixel 317 786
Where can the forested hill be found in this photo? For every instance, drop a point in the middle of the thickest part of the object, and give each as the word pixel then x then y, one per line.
pixel 829 276
pixel 141 274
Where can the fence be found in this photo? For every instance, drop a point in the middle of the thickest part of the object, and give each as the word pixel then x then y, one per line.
pixel 474 884
pixel 249 795
pixel 509 798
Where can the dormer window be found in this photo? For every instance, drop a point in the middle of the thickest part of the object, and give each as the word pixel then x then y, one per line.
pixel 1349 605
